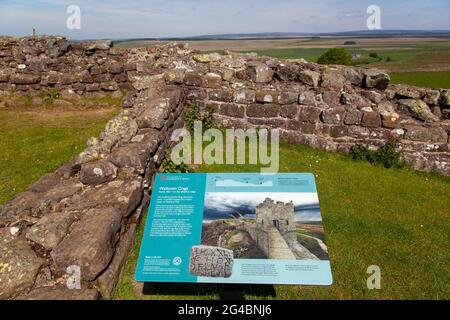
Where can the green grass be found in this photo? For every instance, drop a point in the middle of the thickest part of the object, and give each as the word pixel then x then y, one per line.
pixel 394 218
pixel 430 79
pixel 37 141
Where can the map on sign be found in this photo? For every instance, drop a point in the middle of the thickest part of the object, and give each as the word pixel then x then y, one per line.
pixel 242 183
pixel 234 228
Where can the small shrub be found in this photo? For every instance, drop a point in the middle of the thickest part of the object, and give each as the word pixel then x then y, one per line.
pixel 168 166
pixel 387 155
pixel 208 119
pixel 50 96
pixel 388 59
pixel 336 56
pixel 349 43
pixel 193 114
pixel 373 55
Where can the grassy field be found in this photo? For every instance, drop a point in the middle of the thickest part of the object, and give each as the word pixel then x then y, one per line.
pixel 394 218
pixel 35 141
pixel 430 79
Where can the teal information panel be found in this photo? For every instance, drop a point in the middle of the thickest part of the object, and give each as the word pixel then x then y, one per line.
pixel 234 228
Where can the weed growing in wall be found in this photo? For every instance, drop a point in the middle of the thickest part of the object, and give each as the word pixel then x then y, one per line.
pixel 168 166
pixel 387 155
pixel 193 114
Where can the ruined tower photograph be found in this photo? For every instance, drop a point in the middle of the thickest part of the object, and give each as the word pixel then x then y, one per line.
pixel 278 226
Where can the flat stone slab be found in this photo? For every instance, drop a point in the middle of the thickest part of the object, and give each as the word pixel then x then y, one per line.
pixel 207 261
pixel 51 229
pixel 19 264
pixel 91 243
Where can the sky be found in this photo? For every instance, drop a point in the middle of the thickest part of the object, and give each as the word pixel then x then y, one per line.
pixel 220 205
pixel 177 18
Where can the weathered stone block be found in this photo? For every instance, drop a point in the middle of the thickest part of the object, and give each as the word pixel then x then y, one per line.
pixel 338 131
pixel 352 116
pixel 207 261
pixel 97 70
pixel 134 155
pixel 310 114
pixel 123 194
pixel 115 67
pixel 309 77
pixel 211 80
pixel 371 120
pixel 260 72
pixel 91 243
pixel 266 96
pixel 288 98
pixel 432 97
pixel 408 92
pixel 21 78
pixel 223 95
pixel 331 98
pixel 289 111
pixel 307 98
pixel 287 72
pixel 109 86
pixel 19 265
pixel 97 172
pixel 419 109
pixel 333 80
pixel 230 110
pixel 196 94
pixel 377 79
pixel 51 229
pixel 245 96
pixel 334 115
pixel 391 121
pixel 155 113
pixel 175 76
pixel 417 133
pixel 107 281
pixel 104 77
pixel 263 110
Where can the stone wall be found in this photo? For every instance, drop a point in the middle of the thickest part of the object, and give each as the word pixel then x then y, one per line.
pixel 54 63
pixel 326 107
pixel 85 213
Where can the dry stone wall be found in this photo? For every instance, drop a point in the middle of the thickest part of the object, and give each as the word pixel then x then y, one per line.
pixel 85 213
pixel 327 107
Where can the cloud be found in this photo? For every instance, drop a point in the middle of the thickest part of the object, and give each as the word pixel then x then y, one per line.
pixel 161 18
pixel 221 205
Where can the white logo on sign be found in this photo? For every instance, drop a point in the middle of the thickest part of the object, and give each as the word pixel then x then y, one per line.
pixel 176 261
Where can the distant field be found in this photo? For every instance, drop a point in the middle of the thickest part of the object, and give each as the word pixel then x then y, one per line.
pixel 431 79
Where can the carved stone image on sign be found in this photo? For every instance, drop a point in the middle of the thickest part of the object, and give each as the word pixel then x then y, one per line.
pixel 207 261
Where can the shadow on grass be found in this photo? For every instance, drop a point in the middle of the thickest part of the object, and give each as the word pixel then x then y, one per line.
pixel 224 291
